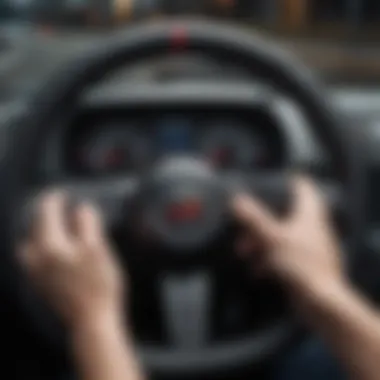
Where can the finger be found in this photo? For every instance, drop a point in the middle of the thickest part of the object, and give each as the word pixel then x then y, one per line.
pixel 88 225
pixel 255 217
pixel 308 199
pixel 50 227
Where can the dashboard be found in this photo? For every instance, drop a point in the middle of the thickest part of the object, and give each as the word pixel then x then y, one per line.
pixel 126 142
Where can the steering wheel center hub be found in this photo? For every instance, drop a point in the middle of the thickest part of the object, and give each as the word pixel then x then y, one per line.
pixel 182 203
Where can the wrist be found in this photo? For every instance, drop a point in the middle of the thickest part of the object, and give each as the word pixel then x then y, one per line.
pixel 105 321
pixel 101 331
pixel 320 299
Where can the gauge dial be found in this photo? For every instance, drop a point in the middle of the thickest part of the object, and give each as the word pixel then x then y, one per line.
pixel 230 146
pixel 115 148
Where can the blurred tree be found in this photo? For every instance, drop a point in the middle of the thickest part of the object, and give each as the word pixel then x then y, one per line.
pixel 295 13
pixel 122 9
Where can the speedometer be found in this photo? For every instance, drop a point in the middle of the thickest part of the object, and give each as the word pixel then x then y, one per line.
pixel 113 149
pixel 230 146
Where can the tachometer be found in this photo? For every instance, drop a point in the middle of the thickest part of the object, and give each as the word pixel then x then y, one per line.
pixel 113 149
pixel 230 146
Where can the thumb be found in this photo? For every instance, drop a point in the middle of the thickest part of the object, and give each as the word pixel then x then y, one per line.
pixel 255 217
pixel 309 200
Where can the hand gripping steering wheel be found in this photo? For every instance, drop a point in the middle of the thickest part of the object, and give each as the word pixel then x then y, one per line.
pixel 187 179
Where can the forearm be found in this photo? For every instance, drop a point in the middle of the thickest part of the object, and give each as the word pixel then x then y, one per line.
pixel 104 351
pixel 351 326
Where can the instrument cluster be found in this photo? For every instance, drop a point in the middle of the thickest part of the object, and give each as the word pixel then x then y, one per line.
pixel 125 145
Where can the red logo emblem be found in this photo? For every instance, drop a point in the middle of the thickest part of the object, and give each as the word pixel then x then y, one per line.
pixel 189 210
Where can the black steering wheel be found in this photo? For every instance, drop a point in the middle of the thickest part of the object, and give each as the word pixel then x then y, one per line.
pixel 186 182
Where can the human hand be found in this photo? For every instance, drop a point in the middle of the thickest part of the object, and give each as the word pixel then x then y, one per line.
pixel 71 262
pixel 301 250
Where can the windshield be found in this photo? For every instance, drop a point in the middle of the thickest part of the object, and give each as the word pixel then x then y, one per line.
pixel 339 38
pixel 6 11
pixel 15 10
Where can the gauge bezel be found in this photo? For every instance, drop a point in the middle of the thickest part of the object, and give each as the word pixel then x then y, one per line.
pixel 88 129
pixel 258 120
pixel 246 133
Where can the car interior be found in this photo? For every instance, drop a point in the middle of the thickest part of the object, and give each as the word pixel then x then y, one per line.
pixel 160 125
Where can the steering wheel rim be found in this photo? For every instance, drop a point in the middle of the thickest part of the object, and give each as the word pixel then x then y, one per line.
pixel 251 52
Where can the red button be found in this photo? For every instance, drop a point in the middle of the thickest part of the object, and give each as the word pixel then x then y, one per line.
pixel 185 211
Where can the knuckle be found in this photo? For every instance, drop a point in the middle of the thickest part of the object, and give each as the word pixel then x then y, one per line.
pixel 54 246
pixel 94 242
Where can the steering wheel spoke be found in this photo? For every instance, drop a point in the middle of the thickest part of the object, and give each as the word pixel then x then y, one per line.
pixel 275 189
pixel 272 188
pixel 112 197
pixel 186 301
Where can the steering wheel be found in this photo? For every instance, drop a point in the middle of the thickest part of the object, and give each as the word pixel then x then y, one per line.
pixel 198 193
